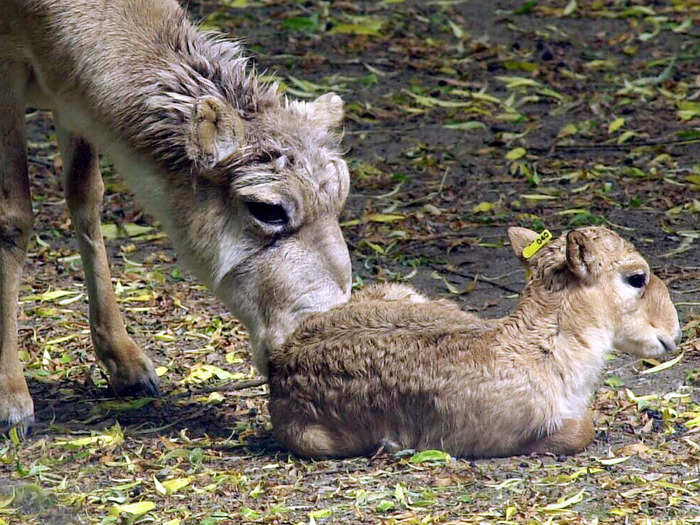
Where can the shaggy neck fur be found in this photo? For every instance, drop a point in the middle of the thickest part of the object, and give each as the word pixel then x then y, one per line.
pixel 155 112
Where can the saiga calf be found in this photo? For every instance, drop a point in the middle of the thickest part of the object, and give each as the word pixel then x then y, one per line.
pixel 391 368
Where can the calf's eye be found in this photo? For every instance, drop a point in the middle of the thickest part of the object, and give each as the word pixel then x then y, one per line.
pixel 273 214
pixel 637 280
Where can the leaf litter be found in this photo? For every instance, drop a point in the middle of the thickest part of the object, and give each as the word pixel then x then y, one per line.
pixel 462 118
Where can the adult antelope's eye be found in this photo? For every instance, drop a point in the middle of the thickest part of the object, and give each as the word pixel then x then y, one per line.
pixel 274 214
pixel 638 280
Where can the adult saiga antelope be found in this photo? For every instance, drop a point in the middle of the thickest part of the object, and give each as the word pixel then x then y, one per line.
pixel 247 185
pixel 392 368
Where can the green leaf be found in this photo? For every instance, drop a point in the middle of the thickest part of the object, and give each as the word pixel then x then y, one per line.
pixel 250 513
pixel 362 26
pixel 121 406
pixel 430 456
pixel 516 154
pixel 614 382
pixel 321 513
pixel 688 109
pixel 615 125
pixel 483 207
pixel 302 23
pixel 385 505
pixel 526 8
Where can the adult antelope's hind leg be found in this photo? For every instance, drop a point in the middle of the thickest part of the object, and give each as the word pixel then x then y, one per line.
pixel 130 370
pixel 16 406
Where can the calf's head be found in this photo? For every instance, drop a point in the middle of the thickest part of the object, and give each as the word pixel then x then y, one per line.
pixel 270 185
pixel 609 288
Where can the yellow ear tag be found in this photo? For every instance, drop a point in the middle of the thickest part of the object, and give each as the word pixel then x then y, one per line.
pixel 535 246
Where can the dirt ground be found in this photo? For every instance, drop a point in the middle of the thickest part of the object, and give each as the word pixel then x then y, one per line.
pixel 463 118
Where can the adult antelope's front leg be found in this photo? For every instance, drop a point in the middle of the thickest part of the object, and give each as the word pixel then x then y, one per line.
pixel 130 370
pixel 16 407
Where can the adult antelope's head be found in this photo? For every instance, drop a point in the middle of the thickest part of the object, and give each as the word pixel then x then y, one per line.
pixel 611 293
pixel 279 184
pixel 269 183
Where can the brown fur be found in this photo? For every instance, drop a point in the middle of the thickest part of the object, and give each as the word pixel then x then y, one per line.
pixel 202 143
pixel 384 369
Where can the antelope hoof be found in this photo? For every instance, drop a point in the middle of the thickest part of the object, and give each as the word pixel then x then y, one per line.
pixel 23 427
pixel 138 379
pixel 16 411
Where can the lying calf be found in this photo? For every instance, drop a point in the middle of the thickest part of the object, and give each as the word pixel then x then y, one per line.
pixel 392 368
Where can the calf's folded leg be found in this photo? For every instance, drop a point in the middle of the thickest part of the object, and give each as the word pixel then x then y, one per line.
pixel 573 436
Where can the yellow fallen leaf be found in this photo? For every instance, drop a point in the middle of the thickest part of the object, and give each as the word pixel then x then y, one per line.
pixel 201 372
pixel 516 154
pixel 135 509
pixel 384 217
pixel 518 82
pixel 615 125
pixel 175 484
pixel 363 26
pixel 50 295
pixel 214 397
pixel 569 129
pixel 613 461
pixel 113 436
pixel 482 207
pixel 663 366
pixel 566 502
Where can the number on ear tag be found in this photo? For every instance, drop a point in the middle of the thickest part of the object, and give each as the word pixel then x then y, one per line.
pixel 535 246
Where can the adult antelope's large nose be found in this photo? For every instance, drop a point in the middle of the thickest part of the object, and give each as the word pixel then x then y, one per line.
pixel 678 335
pixel 668 343
pixel 326 238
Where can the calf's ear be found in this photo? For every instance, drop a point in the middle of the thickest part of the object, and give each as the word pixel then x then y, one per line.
pixel 328 109
pixel 520 238
pixel 216 131
pixel 580 255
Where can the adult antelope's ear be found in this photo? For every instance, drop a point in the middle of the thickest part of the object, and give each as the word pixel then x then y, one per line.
pixel 519 239
pixel 328 110
pixel 216 131
pixel 580 255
